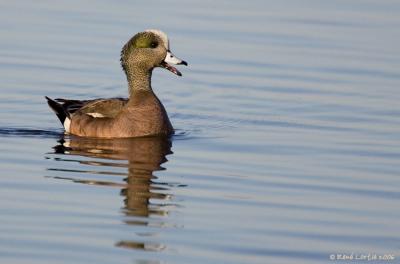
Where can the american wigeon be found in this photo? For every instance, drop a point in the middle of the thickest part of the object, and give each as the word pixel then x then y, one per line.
pixel 142 114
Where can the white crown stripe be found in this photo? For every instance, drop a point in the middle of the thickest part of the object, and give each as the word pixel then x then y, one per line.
pixel 162 35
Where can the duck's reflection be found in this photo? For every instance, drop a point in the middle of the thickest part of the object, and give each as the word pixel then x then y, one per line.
pixel 141 157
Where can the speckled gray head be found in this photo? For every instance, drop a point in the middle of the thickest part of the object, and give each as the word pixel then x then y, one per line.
pixel 149 49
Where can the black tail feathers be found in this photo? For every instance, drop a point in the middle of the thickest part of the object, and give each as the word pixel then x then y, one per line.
pixel 58 109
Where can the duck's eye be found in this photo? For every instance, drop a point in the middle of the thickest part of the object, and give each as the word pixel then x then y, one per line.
pixel 153 45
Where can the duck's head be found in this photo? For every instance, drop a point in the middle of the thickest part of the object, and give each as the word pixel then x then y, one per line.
pixel 147 50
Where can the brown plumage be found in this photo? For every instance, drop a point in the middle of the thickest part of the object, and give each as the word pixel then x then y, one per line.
pixel 142 114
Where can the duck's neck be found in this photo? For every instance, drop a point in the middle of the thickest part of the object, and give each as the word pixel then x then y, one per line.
pixel 139 80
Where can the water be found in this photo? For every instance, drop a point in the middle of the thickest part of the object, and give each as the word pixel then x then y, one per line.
pixel 288 134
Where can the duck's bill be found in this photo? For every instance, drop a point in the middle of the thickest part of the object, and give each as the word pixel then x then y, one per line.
pixel 171 58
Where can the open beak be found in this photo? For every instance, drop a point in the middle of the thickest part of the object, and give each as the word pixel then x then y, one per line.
pixel 170 58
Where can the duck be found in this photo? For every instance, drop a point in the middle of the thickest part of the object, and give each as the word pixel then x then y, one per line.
pixel 140 115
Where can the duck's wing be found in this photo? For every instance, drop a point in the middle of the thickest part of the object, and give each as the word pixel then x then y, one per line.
pixel 95 108
pixel 99 108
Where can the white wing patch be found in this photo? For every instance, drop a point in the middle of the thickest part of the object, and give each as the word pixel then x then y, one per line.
pixel 95 115
pixel 67 124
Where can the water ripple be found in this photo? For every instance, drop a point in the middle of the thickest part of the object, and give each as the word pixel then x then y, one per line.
pixel 30 132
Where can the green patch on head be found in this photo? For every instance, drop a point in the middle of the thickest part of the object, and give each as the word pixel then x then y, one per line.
pixel 143 40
